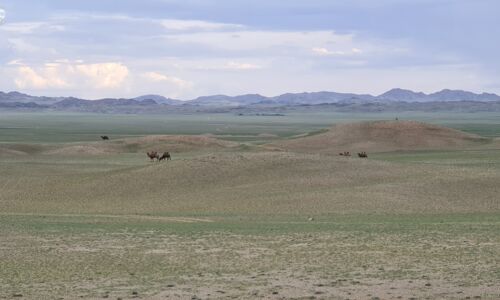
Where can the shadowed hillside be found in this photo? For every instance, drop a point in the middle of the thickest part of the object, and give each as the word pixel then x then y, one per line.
pixel 382 136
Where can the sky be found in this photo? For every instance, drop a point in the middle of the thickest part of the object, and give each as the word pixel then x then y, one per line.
pixel 188 48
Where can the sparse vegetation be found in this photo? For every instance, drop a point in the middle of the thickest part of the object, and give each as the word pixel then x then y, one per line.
pixel 226 219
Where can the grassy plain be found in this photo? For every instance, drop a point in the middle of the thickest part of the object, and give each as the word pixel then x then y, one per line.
pixel 246 222
pixel 64 127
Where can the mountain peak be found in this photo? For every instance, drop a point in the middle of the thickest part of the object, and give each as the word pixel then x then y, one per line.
pixel 461 95
pixel 158 99
pixel 398 94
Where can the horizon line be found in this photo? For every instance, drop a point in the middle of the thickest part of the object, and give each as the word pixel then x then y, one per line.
pixel 257 94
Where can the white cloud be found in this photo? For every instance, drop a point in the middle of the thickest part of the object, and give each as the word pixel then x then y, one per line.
pixel 269 42
pixel 20 45
pixel 2 15
pixel 21 27
pixel 32 27
pixel 214 65
pixel 241 66
pixel 158 77
pixel 195 25
pixel 218 57
pixel 64 74
pixel 15 62
pixel 104 75
pixel 27 77
pixel 325 52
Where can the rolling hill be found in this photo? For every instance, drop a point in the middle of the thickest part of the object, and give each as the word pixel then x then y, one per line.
pixel 160 143
pixel 382 136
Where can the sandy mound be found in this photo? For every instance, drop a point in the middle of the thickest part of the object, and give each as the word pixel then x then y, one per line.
pixel 10 152
pixel 173 143
pixel 382 136
pixel 78 149
pixel 20 149
pixel 160 143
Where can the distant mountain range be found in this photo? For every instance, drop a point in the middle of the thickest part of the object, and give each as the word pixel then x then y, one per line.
pixel 328 97
pixel 156 103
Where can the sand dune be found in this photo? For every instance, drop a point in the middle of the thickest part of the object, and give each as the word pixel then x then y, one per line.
pixel 383 136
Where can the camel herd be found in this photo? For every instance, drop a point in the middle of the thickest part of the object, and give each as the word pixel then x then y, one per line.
pixel 166 155
pixel 152 155
pixel 361 154
pixel 155 155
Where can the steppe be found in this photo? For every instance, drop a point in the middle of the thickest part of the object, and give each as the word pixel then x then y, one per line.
pixel 250 206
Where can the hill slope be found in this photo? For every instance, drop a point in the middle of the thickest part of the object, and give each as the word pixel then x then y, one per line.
pixel 160 143
pixel 382 136
pixel 249 184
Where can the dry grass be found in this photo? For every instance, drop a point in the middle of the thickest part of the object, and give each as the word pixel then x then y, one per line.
pixel 337 258
pixel 383 136
pixel 172 143
pixel 255 183
pixel 220 222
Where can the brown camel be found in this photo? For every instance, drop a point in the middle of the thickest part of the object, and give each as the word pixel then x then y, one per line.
pixel 166 155
pixel 153 155
pixel 363 154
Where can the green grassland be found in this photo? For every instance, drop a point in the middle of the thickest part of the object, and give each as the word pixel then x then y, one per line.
pixel 246 222
pixel 59 127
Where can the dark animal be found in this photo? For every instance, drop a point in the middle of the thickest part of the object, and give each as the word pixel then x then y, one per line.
pixel 363 154
pixel 165 155
pixel 104 137
pixel 153 155
pixel 345 153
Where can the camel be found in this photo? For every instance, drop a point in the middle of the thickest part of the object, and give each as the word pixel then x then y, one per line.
pixel 363 154
pixel 152 155
pixel 166 155
pixel 104 137
pixel 345 153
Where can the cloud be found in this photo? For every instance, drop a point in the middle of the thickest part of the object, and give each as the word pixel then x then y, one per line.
pixel 15 62
pixel 2 15
pixel 217 65
pixel 20 45
pixel 241 66
pixel 261 42
pixel 195 25
pixel 113 54
pixel 104 75
pixel 25 28
pixel 325 52
pixel 27 77
pixel 64 75
pixel 158 77
pixel 167 25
